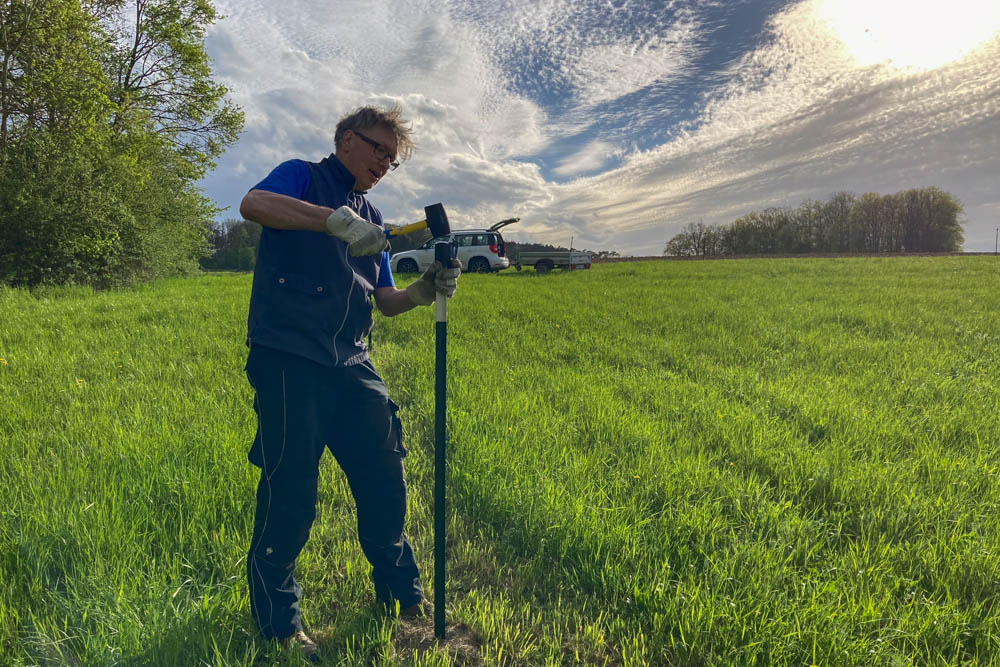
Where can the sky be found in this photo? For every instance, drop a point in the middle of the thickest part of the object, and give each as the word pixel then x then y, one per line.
pixel 612 124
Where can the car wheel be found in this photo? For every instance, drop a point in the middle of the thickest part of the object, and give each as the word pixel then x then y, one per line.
pixel 406 266
pixel 543 266
pixel 479 265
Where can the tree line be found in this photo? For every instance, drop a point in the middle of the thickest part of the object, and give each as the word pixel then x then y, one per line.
pixel 918 220
pixel 108 118
pixel 233 246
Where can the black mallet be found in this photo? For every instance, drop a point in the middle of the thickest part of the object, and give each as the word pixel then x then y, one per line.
pixel 435 219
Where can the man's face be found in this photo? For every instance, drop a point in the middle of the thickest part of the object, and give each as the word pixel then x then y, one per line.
pixel 361 158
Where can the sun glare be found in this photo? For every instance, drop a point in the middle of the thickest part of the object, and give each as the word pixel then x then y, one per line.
pixel 912 34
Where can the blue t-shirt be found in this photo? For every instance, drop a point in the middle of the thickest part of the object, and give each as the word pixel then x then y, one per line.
pixel 292 178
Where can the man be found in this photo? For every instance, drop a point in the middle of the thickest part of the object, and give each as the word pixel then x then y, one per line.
pixel 322 256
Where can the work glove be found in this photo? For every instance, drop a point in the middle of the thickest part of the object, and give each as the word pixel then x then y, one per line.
pixel 363 238
pixel 436 280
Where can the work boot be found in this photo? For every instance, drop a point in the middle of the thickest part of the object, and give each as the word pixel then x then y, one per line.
pixel 301 639
pixel 422 609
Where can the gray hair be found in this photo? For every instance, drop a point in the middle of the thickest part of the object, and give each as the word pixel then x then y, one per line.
pixel 367 117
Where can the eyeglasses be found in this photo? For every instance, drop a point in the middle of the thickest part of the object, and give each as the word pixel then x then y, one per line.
pixel 381 152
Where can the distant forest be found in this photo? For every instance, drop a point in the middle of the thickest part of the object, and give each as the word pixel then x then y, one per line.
pixel 925 220
pixel 234 246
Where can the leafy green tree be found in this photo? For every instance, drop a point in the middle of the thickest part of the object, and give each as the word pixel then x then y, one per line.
pixel 51 80
pixel 680 245
pixel 695 240
pixel 53 112
pixel 161 78
pixel 932 220
pixel 105 127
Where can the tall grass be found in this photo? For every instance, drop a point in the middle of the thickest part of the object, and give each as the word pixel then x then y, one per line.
pixel 728 462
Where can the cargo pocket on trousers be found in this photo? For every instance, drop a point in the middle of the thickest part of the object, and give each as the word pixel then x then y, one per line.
pixel 397 429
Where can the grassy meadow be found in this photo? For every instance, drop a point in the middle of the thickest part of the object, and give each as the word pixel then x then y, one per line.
pixel 733 462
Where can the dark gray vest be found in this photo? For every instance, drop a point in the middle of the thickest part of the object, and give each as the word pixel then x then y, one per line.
pixel 311 298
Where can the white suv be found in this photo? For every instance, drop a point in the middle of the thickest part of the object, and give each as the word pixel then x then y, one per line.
pixel 481 251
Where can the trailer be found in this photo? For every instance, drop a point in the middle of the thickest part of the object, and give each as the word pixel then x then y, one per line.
pixel 571 260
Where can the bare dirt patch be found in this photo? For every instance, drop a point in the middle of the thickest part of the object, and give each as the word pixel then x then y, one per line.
pixel 461 644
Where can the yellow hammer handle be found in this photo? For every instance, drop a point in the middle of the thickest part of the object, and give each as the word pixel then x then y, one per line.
pixel 407 229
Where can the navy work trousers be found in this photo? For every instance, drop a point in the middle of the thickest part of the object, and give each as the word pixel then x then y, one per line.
pixel 303 408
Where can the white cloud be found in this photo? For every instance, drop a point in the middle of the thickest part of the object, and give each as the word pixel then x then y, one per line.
pixel 605 72
pixel 591 157
pixel 801 116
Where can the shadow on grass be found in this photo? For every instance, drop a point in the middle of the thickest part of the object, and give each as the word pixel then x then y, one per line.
pixel 204 637
pixel 359 638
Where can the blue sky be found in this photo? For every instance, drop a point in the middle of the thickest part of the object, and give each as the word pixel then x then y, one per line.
pixel 615 122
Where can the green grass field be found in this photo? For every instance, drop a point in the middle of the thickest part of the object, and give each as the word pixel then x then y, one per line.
pixel 759 462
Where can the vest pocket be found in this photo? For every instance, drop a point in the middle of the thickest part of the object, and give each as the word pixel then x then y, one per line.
pixel 306 304
pixel 302 284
